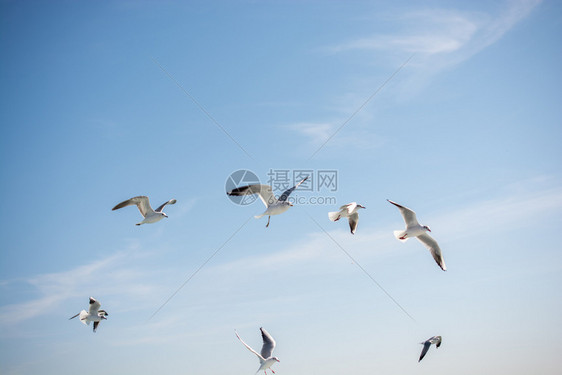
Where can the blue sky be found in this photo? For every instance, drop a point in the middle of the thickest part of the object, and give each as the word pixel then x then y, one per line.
pixel 467 133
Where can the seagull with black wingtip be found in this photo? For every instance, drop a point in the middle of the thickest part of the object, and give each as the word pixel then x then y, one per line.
pixel 273 205
pixel 414 229
pixel 94 314
pixel 143 204
pixel 427 343
pixel 265 357
pixel 350 211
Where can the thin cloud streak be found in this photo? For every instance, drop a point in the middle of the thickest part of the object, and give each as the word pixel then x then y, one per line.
pixel 451 36
pixel 55 289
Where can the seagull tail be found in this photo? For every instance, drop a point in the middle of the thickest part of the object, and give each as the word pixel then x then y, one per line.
pixel 398 234
pixel 333 216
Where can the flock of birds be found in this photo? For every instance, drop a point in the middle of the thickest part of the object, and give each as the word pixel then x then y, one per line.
pixel 276 206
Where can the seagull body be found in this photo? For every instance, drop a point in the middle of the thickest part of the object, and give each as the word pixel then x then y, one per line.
pixel 427 343
pixel 265 357
pixel 273 205
pixel 350 211
pixel 143 204
pixel 414 229
pixel 94 314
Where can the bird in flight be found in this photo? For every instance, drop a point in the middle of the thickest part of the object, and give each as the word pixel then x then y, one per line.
pixel 427 343
pixel 350 211
pixel 94 314
pixel 414 229
pixel 273 205
pixel 150 215
pixel 265 357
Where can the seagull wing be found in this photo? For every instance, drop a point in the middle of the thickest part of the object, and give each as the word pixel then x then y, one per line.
pixel 96 326
pixel 250 349
pixel 171 201
pixel 94 306
pixel 344 207
pixel 433 247
pixel 288 192
pixel 268 344
pixel 408 215
pixel 74 316
pixel 141 202
pixel 353 219
pixel 264 192
pixel 350 207
pixel 426 346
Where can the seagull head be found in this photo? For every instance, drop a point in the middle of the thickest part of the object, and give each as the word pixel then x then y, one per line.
pixel 163 214
pixel 275 358
pixel 426 228
pixel 359 206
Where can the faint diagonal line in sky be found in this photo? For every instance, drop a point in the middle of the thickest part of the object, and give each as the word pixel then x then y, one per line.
pixel 361 268
pixel 200 268
pixel 362 105
pixel 202 108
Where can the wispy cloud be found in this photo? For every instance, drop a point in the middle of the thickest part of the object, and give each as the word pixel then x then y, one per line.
pixel 451 35
pixel 318 133
pixel 54 289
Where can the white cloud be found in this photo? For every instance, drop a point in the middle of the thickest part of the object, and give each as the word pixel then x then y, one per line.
pixel 319 133
pixel 455 34
pixel 54 289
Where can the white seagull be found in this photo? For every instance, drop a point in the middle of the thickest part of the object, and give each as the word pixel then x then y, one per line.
pixel 414 229
pixel 94 314
pixel 150 215
pixel 427 343
pixel 273 205
pixel 266 360
pixel 350 211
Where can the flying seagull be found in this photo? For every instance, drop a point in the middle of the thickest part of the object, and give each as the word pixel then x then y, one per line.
pixel 350 211
pixel 94 314
pixel 414 229
pixel 432 340
pixel 150 215
pixel 266 360
pixel 273 205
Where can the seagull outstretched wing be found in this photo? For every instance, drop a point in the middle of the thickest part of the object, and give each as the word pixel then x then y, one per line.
pixel 288 192
pixel 141 202
pixel 408 215
pixel 250 349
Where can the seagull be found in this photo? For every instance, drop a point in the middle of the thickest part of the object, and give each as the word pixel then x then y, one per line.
pixel 414 229
pixel 432 340
pixel 266 360
pixel 94 314
pixel 350 211
pixel 150 215
pixel 273 205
